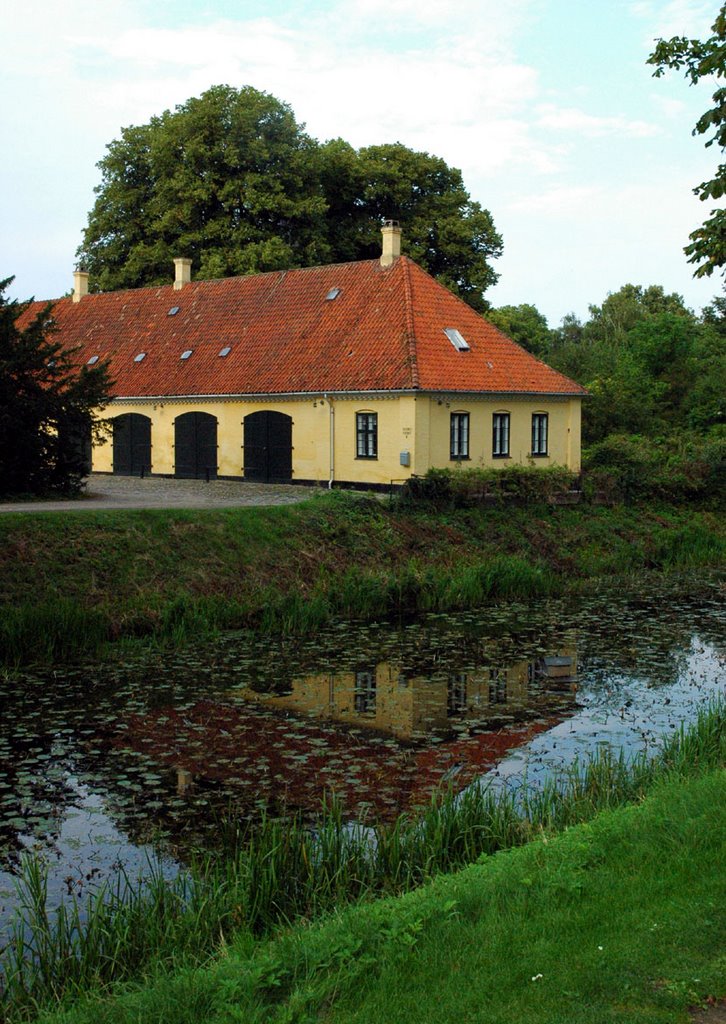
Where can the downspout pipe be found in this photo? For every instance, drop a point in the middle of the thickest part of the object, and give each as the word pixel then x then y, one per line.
pixel 332 440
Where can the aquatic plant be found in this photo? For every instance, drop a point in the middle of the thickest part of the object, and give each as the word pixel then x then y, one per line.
pixel 283 869
pixel 116 576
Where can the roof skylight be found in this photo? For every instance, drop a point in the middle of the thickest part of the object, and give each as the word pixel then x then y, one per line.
pixel 332 294
pixel 226 350
pixel 140 357
pixel 457 339
pixel 173 311
pixel 92 360
pixel 187 353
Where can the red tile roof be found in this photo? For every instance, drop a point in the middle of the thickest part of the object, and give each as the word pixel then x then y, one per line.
pixel 383 332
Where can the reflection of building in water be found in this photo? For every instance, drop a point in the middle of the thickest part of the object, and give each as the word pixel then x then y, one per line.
pixel 411 707
pixel 456 691
pixel 364 693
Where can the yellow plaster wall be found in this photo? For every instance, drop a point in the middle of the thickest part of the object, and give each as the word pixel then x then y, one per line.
pixel 418 425
pixel 396 433
pixel 564 430
pixel 311 449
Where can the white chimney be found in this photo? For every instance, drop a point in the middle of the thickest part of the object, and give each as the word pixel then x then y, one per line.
pixel 80 284
pixel 183 272
pixel 391 242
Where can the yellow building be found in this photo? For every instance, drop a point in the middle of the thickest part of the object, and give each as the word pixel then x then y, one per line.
pixel 359 373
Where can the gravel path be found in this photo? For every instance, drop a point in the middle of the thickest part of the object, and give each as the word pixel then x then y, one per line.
pixel 119 492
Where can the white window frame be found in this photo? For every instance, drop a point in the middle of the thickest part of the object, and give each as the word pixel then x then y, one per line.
pixel 459 430
pixel 366 435
pixel 540 434
pixel 501 429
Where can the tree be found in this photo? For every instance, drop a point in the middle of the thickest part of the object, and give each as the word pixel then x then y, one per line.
pixel 703 59
pixel 444 230
pixel 224 179
pixel 231 180
pixel 706 402
pixel 48 405
pixel 622 310
pixel 523 324
pixel 636 357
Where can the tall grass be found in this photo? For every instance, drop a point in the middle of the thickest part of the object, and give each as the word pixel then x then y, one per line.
pixel 59 630
pixel 415 587
pixel 53 630
pixel 283 869
pixel 340 557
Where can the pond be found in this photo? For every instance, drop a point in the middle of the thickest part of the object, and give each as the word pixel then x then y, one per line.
pixel 112 764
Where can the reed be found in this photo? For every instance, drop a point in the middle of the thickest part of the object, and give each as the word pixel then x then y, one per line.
pixel 280 870
pixel 53 630
pixel 113 577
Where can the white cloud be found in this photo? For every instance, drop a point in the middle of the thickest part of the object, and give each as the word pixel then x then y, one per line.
pixel 691 18
pixel 563 202
pixel 569 119
pixel 490 22
pixel 566 247
pixel 670 107
pixel 446 76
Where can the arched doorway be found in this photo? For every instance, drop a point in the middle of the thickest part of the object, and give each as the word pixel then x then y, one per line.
pixel 131 444
pixel 195 446
pixel 268 447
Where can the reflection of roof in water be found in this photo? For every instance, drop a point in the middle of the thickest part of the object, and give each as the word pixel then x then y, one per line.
pixel 270 756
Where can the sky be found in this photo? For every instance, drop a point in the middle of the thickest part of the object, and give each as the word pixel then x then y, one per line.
pixel 586 162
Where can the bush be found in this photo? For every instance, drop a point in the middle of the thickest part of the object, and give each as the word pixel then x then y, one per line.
pixel 446 488
pixel 678 467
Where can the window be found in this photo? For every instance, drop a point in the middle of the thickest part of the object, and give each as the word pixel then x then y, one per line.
pixel 459 446
pixel 92 361
pixel 186 353
pixel 332 294
pixel 140 357
pixel 500 435
pixel 225 351
pixel 539 433
pixel 366 429
pixel 457 339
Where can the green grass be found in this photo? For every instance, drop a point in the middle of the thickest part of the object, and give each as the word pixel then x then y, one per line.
pixel 618 920
pixel 282 871
pixel 70 585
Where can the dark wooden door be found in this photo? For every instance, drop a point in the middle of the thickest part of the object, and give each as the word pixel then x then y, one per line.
pixel 195 446
pixel 268 447
pixel 131 444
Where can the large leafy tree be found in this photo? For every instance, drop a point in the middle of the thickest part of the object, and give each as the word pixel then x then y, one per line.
pixel 706 402
pixel 444 230
pixel 231 180
pixel 640 355
pixel 48 405
pixel 224 179
pixel 524 324
pixel 704 59
pixel 622 310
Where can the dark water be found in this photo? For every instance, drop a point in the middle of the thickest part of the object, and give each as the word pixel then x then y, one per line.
pixel 101 765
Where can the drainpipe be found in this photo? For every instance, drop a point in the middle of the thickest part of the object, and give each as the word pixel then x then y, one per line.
pixel 332 441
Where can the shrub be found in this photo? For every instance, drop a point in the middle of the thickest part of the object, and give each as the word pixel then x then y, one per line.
pixel 679 467
pixel 446 488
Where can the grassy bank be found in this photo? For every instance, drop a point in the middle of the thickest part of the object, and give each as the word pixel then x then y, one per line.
pixel 282 872
pixel 616 919
pixel 71 583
